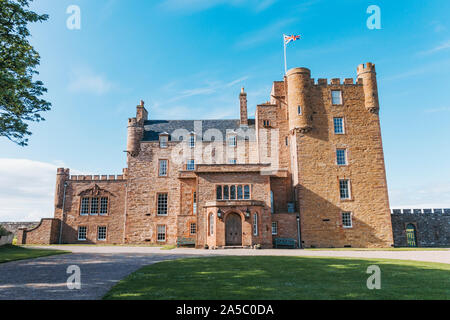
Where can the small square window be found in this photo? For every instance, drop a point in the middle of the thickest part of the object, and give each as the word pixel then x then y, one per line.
pixel 82 233
pixel 101 233
pixel 266 123
pixel 232 161
pixel 336 97
pixel 338 125
pixel 347 220
pixel 341 157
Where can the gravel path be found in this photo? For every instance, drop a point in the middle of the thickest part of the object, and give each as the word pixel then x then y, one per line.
pixel 45 278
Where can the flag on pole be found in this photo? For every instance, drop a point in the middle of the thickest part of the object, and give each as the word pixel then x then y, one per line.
pixel 287 39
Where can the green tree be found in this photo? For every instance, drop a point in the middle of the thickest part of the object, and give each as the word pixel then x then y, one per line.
pixel 20 94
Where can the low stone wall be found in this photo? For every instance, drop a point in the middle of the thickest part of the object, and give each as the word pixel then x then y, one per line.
pixel 15 226
pixel 6 239
pixel 432 227
pixel 45 233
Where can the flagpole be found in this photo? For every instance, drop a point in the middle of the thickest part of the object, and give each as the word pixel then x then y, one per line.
pixel 285 61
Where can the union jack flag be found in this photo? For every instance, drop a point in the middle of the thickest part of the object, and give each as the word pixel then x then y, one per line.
pixel 288 39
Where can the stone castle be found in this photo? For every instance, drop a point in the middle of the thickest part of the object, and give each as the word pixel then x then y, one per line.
pixel 309 167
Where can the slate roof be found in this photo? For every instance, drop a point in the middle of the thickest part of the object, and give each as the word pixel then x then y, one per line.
pixel 153 128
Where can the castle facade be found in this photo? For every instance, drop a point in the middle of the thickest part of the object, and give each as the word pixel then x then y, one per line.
pixel 309 167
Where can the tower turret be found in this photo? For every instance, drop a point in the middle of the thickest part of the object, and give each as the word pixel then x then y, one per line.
pixel 136 130
pixel 369 76
pixel 299 108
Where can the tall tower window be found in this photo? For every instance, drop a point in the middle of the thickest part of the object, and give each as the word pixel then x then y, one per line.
pixel 341 157
pixel 344 189
pixel 336 97
pixel 338 125
pixel 192 141
pixel 163 168
pixel 299 110
pixel 162 204
pixel 255 224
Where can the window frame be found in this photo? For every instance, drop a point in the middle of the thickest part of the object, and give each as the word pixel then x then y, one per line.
pixel 102 207
pixel 275 223
pixel 160 162
pixel 85 233
pixel 193 227
pixel 342 125
pixel 345 155
pixel 91 213
pixel 237 187
pixel 192 141
pixel 157 204
pixel 190 165
pixel 299 110
pixel 98 233
pixel 87 212
pixel 350 219
pixel 349 191
pixel 255 224
pixel 211 221
pixel 341 98
pixel 164 141
pixel 232 140
pixel 158 233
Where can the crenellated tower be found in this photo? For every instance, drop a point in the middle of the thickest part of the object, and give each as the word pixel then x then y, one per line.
pixel 369 76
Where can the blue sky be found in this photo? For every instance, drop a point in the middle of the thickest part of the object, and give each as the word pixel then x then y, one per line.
pixel 187 59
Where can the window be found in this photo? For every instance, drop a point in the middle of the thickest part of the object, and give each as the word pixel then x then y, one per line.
pixel 255 224
pixel 163 140
pixel 94 206
pixel 287 141
pixel 341 157
pixel 192 141
pixel 344 189
pixel 163 164
pixel 162 204
pixel 299 110
pixel 194 203
pixel 190 165
pixel 336 97
pixel 82 233
pixel 211 224
pixel 84 206
pixel 338 125
pixel 232 161
pixel 193 228
pixel 266 123
pixel 347 219
pixel 274 228
pixel 104 206
pixel 232 141
pixel 233 192
pixel 161 233
pixel 101 233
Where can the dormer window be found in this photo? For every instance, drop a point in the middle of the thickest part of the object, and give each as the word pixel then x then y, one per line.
pixel 163 140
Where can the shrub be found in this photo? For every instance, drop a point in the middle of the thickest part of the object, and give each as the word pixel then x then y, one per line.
pixel 4 232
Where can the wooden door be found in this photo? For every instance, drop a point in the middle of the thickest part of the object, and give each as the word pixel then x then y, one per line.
pixel 411 235
pixel 233 230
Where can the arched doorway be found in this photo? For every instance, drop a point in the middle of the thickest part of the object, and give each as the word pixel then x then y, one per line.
pixel 233 230
pixel 411 235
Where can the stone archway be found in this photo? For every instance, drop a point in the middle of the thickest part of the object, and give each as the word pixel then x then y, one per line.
pixel 233 230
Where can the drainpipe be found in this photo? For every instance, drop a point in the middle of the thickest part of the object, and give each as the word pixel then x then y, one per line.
pixel 125 213
pixel 298 233
pixel 63 213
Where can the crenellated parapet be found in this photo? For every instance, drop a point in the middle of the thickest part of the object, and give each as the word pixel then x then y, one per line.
pixel 368 76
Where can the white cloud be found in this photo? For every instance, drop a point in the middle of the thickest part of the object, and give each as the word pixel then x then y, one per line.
pixel 436 110
pixel 443 46
pixel 428 196
pixel 83 80
pixel 27 189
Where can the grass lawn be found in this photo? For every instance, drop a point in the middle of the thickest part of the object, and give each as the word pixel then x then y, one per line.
pixel 283 278
pixel 11 253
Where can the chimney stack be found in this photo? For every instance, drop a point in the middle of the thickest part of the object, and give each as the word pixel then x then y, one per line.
pixel 243 102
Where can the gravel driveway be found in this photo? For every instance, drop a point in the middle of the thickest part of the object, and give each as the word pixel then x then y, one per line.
pixel 45 278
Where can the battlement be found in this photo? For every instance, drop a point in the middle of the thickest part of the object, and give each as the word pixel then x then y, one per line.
pixel 337 82
pixel 119 177
pixel 420 211
pixel 132 122
pixel 63 171
pixel 364 68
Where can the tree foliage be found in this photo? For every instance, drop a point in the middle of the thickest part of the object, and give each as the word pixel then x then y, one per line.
pixel 20 94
